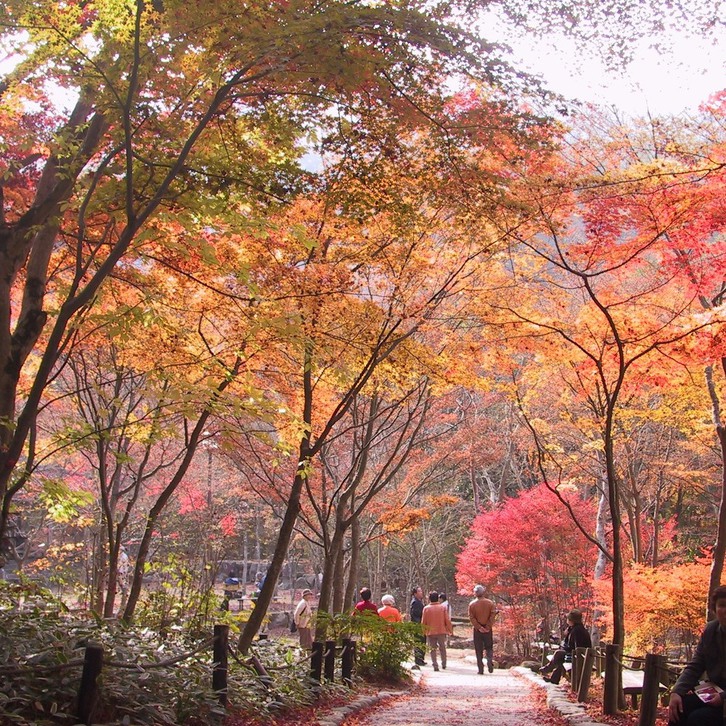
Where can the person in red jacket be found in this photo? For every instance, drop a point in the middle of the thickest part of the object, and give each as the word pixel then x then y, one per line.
pixel 436 626
pixel 365 605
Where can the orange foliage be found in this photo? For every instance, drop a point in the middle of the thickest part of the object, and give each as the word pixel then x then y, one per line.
pixel 664 606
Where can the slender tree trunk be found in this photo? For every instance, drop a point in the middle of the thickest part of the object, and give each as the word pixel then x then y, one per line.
pixel 245 558
pixel 258 537
pixel 655 550
pixel 474 488
pixel 339 579
pixel 98 575
pixel 600 533
pixel 331 580
pixel 617 553
pixel 253 625
pixel 350 590
pixel 163 499
pixel 719 548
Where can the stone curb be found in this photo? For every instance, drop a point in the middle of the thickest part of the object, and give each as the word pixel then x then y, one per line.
pixel 338 715
pixel 557 699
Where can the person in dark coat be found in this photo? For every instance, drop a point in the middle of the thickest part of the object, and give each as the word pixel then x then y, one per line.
pixel 685 707
pixel 576 636
pixel 415 613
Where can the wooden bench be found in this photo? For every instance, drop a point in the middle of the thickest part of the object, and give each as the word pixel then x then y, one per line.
pixel 633 685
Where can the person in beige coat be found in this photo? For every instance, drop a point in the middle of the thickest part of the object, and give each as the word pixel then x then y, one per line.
pixel 436 626
pixel 303 618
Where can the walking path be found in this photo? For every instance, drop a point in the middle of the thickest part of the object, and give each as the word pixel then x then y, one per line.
pixel 458 695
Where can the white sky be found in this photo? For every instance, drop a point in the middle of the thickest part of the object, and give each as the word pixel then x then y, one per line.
pixel 660 84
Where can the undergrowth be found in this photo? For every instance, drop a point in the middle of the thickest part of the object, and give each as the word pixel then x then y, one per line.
pixel 147 677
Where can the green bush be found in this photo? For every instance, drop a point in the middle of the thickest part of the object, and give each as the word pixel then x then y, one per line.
pixel 383 647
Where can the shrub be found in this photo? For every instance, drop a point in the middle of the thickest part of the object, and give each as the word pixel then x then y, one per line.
pixel 383 647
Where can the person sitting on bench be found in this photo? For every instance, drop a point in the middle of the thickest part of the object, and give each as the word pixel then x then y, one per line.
pixel 576 636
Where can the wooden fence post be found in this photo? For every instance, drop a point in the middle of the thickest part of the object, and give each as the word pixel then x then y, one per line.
pixel 576 669
pixel 543 657
pixel 599 660
pixel 348 660
pixel 219 669
pixel 88 690
pixel 586 675
pixel 654 665
pixel 611 687
pixel 330 660
pixel 316 662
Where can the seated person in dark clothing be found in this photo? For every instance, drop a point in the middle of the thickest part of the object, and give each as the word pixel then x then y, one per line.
pixel 231 586
pixel 576 636
pixel 708 663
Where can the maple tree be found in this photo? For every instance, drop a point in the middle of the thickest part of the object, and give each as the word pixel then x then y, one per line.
pixel 663 606
pixel 699 151
pixel 542 571
pixel 411 266
pixel 178 172
pixel 605 285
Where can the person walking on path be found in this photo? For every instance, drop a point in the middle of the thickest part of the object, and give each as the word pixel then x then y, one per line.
pixel 436 626
pixel 388 610
pixel 576 636
pixel 303 619
pixel 482 612
pixel 415 613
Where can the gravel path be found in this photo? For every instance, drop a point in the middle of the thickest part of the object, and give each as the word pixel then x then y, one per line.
pixel 459 695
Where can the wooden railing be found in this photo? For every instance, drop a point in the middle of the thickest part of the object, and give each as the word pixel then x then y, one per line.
pixel 644 678
pixel 322 664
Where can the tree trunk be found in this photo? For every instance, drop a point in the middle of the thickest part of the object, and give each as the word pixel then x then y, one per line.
pixel 339 579
pixel 245 558
pixel 331 580
pixel 719 548
pixel 253 625
pixel 350 590
pixel 600 533
pixel 617 554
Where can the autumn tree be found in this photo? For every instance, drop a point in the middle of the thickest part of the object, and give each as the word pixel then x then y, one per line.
pixel 170 107
pixel 543 570
pixel 607 288
pixel 401 276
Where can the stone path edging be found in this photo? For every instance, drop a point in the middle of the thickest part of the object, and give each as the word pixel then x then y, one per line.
pixel 557 699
